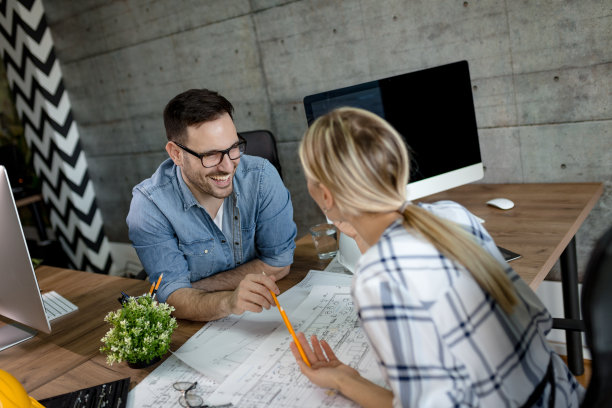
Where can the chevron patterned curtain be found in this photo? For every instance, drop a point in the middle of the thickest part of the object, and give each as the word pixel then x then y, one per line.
pixel 42 103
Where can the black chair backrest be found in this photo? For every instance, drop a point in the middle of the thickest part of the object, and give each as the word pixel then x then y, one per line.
pixel 262 143
pixel 597 314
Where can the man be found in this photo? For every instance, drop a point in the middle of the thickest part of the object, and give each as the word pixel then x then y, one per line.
pixel 210 218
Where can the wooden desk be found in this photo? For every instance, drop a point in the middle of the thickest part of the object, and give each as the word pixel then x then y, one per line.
pixel 69 359
pixel 540 227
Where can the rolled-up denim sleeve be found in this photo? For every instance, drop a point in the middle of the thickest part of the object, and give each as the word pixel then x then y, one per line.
pixel 276 230
pixel 156 245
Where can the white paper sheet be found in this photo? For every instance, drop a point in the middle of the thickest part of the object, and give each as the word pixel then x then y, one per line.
pixel 271 378
pixel 221 346
pixel 157 389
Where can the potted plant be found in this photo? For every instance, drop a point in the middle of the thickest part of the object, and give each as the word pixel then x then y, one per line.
pixel 141 332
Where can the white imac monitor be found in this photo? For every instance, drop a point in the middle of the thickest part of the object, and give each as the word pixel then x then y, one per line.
pixel 433 109
pixel 20 298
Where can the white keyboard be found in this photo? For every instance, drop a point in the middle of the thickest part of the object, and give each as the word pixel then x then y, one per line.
pixel 56 305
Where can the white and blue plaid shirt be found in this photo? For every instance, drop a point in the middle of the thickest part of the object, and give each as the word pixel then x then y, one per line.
pixel 443 342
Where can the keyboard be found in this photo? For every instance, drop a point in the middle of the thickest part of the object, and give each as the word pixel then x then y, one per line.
pixel 110 395
pixel 56 305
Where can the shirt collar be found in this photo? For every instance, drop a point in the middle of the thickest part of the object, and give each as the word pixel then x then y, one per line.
pixel 185 193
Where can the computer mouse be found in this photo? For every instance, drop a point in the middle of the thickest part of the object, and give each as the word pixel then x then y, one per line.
pixel 501 203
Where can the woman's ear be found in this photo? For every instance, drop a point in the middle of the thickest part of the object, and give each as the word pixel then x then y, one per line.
pixel 174 152
pixel 326 195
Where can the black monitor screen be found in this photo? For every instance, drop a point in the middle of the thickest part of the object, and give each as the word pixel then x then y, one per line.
pixel 433 109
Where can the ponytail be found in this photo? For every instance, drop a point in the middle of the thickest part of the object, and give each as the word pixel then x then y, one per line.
pixel 455 243
pixel 364 162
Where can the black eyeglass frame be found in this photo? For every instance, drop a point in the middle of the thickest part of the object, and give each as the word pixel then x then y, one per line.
pixel 241 145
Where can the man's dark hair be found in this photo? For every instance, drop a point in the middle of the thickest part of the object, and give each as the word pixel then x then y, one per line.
pixel 193 107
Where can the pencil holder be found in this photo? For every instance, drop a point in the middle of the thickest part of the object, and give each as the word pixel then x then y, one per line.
pixel 140 332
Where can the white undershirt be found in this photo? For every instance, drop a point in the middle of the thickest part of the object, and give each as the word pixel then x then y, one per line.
pixel 218 220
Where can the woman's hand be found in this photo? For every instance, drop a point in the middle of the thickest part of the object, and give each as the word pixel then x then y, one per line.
pixel 325 369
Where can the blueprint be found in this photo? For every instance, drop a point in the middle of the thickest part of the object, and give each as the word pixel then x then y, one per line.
pixel 219 347
pixel 157 389
pixel 246 359
pixel 271 378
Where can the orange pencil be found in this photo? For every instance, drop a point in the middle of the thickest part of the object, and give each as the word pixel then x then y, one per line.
pixel 156 286
pixel 289 327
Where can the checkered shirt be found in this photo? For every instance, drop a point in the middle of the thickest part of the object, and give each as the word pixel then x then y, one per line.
pixel 443 342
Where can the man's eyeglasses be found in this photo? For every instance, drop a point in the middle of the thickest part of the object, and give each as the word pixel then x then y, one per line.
pixel 190 400
pixel 215 157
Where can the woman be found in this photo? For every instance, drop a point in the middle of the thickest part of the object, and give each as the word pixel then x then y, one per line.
pixel 450 322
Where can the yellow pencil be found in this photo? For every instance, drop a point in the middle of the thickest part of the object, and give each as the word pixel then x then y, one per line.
pixel 158 282
pixel 289 327
pixel 154 288
pixel 297 343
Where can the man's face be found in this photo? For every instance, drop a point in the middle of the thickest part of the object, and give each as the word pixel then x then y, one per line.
pixel 216 181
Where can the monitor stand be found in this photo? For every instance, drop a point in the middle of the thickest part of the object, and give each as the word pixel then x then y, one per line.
pixel 12 334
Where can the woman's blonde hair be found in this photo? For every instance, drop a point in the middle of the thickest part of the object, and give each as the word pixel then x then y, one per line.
pixel 364 163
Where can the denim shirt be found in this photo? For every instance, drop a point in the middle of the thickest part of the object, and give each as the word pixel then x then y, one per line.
pixel 174 235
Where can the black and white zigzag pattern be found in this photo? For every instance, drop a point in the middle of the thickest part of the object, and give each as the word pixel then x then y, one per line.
pixel 42 103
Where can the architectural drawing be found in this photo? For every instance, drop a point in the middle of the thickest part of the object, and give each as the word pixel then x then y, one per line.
pixel 271 378
pixel 157 390
pixel 219 347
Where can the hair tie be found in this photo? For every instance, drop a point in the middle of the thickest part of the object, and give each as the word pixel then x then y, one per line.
pixel 403 206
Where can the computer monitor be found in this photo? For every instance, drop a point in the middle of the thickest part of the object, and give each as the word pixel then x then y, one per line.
pixel 20 298
pixel 433 109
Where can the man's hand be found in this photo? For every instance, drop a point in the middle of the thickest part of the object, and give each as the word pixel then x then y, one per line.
pixel 253 294
pixel 229 280
pixel 278 272
pixel 234 291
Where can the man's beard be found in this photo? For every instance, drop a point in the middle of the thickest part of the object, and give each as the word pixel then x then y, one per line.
pixel 206 186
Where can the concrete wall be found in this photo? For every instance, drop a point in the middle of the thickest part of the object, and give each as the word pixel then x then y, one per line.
pixel 541 72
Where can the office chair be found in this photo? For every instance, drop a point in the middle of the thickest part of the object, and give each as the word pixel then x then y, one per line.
pixel 596 303
pixel 596 308
pixel 262 143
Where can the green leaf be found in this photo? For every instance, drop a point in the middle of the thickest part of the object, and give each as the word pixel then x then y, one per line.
pixel 141 331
